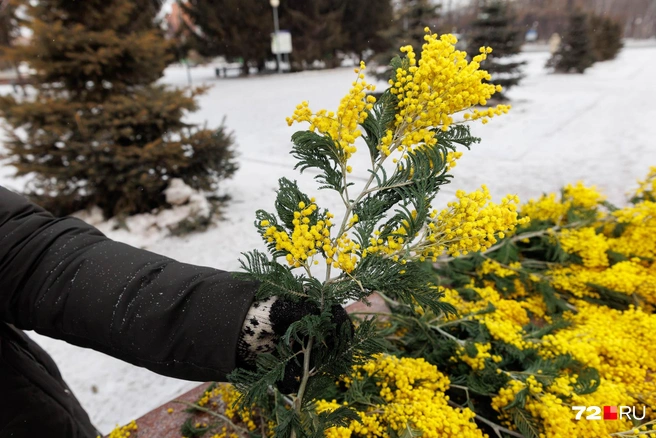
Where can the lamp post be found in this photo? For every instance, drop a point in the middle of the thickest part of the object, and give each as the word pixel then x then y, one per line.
pixel 274 4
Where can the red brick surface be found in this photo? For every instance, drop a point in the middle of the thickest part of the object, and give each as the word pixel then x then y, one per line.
pixel 158 423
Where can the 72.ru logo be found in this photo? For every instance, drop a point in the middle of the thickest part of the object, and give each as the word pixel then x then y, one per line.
pixel 610 412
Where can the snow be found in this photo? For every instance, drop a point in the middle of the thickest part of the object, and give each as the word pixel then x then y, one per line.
pixel 598 127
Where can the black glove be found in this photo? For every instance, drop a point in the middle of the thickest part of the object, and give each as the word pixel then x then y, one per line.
pixel 266 322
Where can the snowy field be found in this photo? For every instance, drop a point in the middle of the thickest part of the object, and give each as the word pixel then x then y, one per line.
pixel 599 127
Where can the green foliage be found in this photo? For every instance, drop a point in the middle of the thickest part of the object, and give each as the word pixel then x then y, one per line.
pixel 379 118
pixel 526 424
pixel 241 29
pixel 410 18
pixel 10 31
pixel 576 52
pixel 323 28
pixel 99 131
pixel 232 28
pixel 274 278
pixel 535 332
pixel 495 27
pixel 316 349
pixel 306 144
pixel 610 298
pixel 606 37
pixel 363 22
pixel 189 429
pixel 523 271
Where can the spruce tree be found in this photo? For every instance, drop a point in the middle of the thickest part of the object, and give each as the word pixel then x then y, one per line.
pixel 363 22
pixel 232 28
pixel 576 52
pixel 494 27
pixel 99 131
pixel 9 31
pixel 606 37
pixel 320 28
pixel 410 19
pixel 317 30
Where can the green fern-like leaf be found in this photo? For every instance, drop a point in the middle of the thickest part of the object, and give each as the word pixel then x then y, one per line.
pixel 319 152
pixel 527 425
pixel 274 278
pixel 456 135
pixel 378 120
pixel 588 381
pixel 287 201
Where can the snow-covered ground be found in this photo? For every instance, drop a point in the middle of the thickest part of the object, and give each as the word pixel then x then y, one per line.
pixel 599 127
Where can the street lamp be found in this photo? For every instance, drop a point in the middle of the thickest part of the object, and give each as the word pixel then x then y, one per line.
pixel 274 4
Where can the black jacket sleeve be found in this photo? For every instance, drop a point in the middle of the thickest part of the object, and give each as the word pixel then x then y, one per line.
pixel 65 279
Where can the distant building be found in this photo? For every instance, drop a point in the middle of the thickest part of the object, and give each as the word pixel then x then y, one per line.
pixel 177 21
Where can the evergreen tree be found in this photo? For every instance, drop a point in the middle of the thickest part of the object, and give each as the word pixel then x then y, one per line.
pixel 410 19
pixel 494 28
pixel 99 131
pixel 10 55
pixel 363 22
pixel 232 28
pixel 576 51
pixel 320 28
pixel 316 28
pixel 9 31
pixel 606 37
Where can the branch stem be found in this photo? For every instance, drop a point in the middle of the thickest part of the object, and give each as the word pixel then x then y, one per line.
pixel 240 430
pixel 298 402
pixel 517 238
pixel 349 208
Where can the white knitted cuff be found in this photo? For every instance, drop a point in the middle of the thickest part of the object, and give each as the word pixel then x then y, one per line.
pixel 257 335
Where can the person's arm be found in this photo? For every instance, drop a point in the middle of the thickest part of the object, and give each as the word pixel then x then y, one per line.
pixel 64 279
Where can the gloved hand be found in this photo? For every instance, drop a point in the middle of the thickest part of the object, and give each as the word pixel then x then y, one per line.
pixel 266 322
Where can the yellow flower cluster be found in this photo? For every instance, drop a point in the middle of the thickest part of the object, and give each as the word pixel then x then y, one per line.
pixel 586 243
pixel 393 246
pixel 616 343
pixel 635 242
pixel 345 257
pixel 431 90
pixel 490 266
pixel 647 187
pixel 306 240
pixel 639 237
pixel 472 223
pixel 224 396
pixel 547 406
pixel 580 195
pixel 486 114
pixel 341 127
pixel 451 159
pixel 123 431
pixel 627 277
pixel 505 324
pixel 548 208
pixel 507 395
pixel 414 392
pixel 619 344
pixel 482 354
